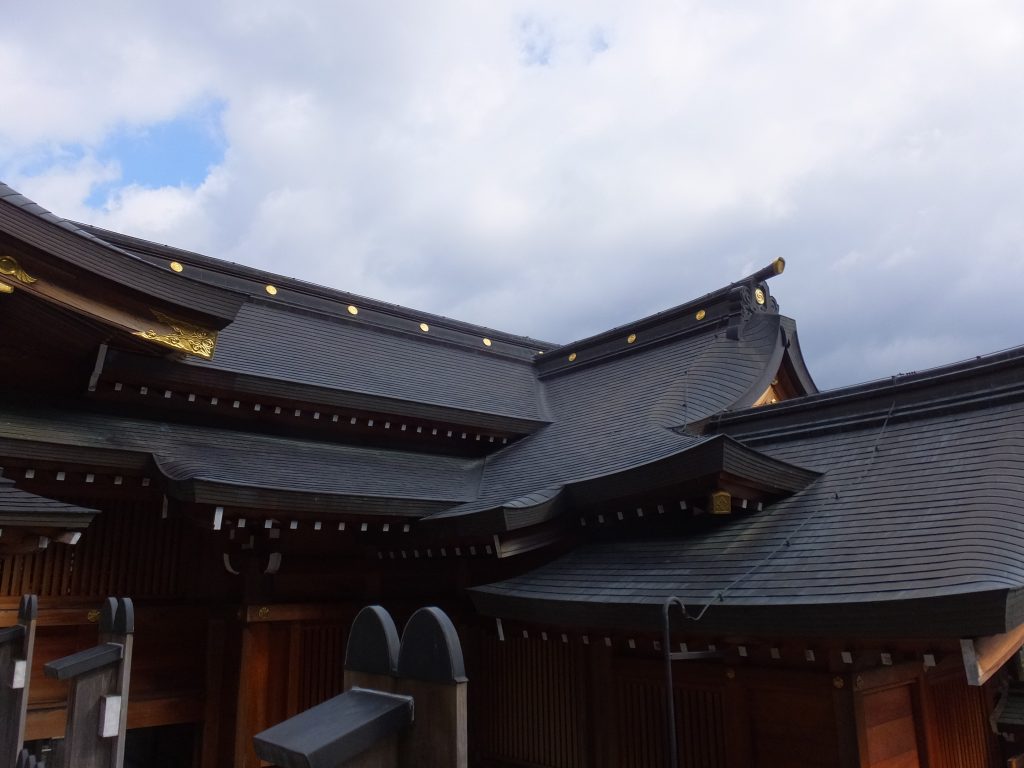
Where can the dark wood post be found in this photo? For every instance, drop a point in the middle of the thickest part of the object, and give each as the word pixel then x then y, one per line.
pixel 431 670
pixel 359 728
pixel 371 655
pixel 15 668
pixel 98 699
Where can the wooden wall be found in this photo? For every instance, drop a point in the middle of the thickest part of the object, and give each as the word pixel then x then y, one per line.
pixel 569 705
pixel 129 549
pixel 526 702
pixel 203 656
pixel 910 717
pixel 891 727
pixel 959 735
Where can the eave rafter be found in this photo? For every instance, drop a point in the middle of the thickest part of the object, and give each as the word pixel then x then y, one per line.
pixel 126 314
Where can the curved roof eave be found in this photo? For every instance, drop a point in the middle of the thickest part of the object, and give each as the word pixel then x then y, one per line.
pixel 709 456
pixel 30 223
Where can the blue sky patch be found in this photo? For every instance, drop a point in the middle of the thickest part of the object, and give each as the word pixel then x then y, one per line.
pixel 176 152
pixel 536 43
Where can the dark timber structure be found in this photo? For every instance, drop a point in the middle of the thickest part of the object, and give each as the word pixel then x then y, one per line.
pixel 252 459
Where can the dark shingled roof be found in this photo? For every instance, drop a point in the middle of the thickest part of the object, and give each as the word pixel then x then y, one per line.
pixel 624 413
pixel 918 517
pixel 342 353
pixel 615 404
pixel 18 507
pixel 201 457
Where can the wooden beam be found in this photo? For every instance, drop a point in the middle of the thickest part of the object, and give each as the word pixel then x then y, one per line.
pixel 984 656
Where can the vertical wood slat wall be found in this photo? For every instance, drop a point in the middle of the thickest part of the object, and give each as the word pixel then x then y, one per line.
pixel 127 550
pixel 528 707
pixel 639 723
pixel 525 704
pixel 322 663
pixel 962 737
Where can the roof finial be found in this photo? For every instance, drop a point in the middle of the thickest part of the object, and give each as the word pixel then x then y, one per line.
pixel 773 269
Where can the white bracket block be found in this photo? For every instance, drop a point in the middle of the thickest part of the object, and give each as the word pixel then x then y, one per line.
pixel 19 674
pixel 110 716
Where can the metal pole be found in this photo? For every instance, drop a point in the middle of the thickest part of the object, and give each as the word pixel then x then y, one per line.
pixel 670 708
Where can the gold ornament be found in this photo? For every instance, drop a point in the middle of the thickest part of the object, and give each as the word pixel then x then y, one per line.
pixel 10 267
pixel 188 338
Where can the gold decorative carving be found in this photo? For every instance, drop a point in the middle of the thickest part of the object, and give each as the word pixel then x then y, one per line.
pixel 5 288
pixel 721 503
pixel 263 612
pixel 93 616
pixel 191 339
pixel 9 266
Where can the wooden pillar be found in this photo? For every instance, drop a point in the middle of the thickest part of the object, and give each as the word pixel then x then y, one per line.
pixel 98 698
pixel 253 679
pixel 15 667
pixel 216 638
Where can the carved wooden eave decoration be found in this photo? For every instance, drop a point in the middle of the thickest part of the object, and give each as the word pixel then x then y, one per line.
pixel 184 337
pixel 148 323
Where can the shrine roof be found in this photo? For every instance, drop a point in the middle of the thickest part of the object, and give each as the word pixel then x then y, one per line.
pixel 210 465
pixel 612 404
pixel 20 508
pixel 72 244
pixel 914 527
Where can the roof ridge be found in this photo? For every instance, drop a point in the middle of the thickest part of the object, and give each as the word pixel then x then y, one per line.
pixel 302 287
pixel 16 199
pixel 775 268
pixel 917 394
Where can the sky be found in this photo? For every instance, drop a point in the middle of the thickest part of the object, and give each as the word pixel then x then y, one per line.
pixel 556 169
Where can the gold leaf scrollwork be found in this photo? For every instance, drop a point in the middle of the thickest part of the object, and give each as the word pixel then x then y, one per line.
pixel 5 288
pixel 191 339
pixel 10 267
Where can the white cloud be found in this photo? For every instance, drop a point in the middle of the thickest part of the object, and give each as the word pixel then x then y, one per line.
pixel 558 171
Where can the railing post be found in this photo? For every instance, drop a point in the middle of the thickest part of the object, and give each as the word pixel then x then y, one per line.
pixel 98 697
pixel 15 668
pixel 432 672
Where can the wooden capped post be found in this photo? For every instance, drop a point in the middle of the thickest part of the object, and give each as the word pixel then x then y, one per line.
pixel 371 655
pixel 98 699
pixel 15 667
pixel 432 672
pixel 360 727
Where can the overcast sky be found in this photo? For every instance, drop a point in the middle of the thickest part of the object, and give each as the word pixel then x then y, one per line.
pixel 556 169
